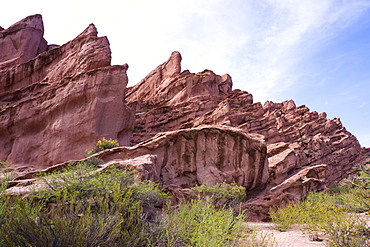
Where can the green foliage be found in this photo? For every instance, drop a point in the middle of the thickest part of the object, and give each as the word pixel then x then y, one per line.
pixel 252 118
pixel 83 181
pixel 102 145
pixel 85 207
pixel 222 194
pixel 199 223
pixel 303 139
pixel 349 231
pixel 236 106
pixel 6 174
pixel 142 111
pixel 354 193
pixel 322 215
pixel 81 207
pixel 113 219
pixel 4 164
pixel 3 107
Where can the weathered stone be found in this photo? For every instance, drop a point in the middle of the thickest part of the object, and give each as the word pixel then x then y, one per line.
pixel 204 155
pixel 297 139
pixel 62 101
pixel 22 41
pixel 189 129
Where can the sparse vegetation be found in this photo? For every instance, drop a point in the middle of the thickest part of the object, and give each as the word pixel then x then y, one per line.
pixel 303 139
pixel 6 173
pixel 102 145
pixel 82 207
pixel 142 111
pixel 222 194
pixel 3 107
pixel 332 216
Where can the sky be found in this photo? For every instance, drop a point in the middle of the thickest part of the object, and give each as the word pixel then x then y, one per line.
pixel 316 52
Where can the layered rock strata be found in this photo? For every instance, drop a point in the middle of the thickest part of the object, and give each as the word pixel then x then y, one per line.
pixel 204 155
pixel 57 104
pixel 187 129
pixel 306 151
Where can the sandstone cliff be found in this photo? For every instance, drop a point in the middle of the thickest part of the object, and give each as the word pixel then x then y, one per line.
pixel 57 103
pixel 184 128
pixel 305 150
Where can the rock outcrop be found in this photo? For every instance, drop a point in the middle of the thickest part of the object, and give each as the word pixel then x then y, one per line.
pixel 22 41
pixel 57 104
pixel 187 129
pixel 306 151
pixel 189 157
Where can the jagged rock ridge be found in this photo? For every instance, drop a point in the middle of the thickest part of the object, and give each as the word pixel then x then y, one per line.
pixel 56 104
pixel 187 129
pixel 306 151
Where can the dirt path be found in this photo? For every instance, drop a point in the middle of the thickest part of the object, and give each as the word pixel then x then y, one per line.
pixel 291 238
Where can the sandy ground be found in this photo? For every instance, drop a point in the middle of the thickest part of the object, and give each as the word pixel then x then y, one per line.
pixel 291 238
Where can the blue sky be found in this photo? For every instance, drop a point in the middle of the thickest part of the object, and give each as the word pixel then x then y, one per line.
pixel 316 52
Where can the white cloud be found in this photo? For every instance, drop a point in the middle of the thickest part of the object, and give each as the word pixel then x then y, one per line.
pixel 256 42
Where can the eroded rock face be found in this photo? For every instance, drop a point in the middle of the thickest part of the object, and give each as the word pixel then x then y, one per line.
pixel 306 151
pixel 22 41
pixel 59 103
pixel 204 155
pixel 188 129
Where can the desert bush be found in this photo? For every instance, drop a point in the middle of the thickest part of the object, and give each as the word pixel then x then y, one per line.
pixel 323 216
pixel 310 214
pixel 6 174
pixel 354 193
pixel 285 217
pixel 102 145
pixel 107 209
pixel 81 207
pixel 83 181
pixel 199 223
pixel 113 220
pixel 348 230
pixel 222 194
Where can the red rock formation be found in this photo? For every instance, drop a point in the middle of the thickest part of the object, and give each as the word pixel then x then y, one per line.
pixel 22 41
pixel 306 151
pixel 190 128
pixel 204 155
pixel 57 104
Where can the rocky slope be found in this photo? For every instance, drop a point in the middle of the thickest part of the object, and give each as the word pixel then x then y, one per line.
pixel 184 128
pixel 57 103
pixel 305 150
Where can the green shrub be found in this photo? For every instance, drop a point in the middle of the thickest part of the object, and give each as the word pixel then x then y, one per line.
pixel 354 193
pixel 285 217
pixel 349 231
pixel 322 216
pixel 142 111
pixel 303 139
pixel 113 219
pixel 222 194
pixel 3 107
pixel 199 223
pixel 83 181
pixel 102 145
pixel 88 208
